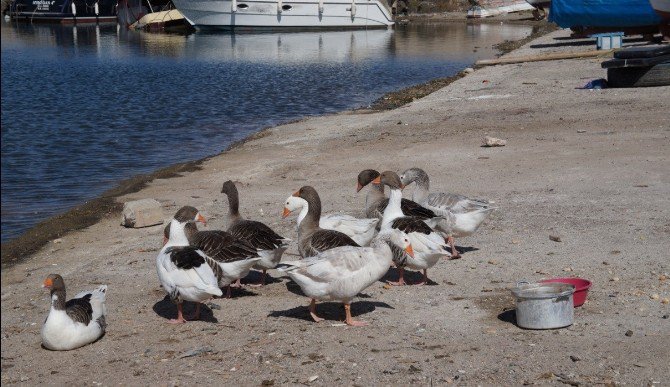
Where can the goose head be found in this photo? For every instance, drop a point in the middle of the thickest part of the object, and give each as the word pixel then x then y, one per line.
pixel 54 282
pixel 390 179
pixel 366 177
pixel 293 203
pixel 398 238
pixel 413 175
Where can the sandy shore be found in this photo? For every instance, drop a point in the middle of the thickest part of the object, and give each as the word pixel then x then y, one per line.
pixel 589 166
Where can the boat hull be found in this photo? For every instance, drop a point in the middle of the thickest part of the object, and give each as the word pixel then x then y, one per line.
pixel 255 14
pixel 662 8
pixel 62 11
pixel 585 14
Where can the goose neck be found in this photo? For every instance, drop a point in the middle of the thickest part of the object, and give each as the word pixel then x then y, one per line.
pixel 177 234
pixel 58 299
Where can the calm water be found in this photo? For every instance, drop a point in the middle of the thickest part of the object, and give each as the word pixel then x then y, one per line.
pixel 85 107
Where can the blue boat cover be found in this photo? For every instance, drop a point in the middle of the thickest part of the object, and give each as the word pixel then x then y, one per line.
pixel 602 13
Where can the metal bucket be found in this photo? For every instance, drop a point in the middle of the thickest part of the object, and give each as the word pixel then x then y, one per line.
pixel 544 305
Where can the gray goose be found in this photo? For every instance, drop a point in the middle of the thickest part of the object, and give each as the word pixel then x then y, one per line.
pixel 76 322
pixel 427 244
pixel 186 272
pixel 313 239
pixel 269 244
pixel 462 215
pixel 231 258
pixel 376 201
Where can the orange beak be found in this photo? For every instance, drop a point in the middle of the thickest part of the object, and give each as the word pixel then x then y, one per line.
pixel 201 219
pixel 296 194
pixel 358 187
pixel 409 251
pixel 285 213
pixel 48 283
pixel 377 180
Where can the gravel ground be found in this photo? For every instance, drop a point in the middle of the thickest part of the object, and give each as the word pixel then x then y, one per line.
pixel 591 167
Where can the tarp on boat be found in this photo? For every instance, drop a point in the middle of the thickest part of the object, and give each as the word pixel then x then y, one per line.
pixel 602 13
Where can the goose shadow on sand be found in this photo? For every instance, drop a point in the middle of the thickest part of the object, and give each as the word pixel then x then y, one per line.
pixel 168 310
pixel 331 311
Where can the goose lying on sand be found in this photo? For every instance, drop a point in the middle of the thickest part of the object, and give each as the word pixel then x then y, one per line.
pixel 76 322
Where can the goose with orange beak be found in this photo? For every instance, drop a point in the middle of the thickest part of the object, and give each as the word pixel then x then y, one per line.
pixel 428 244
pixel 312 239
pixel 340 273
pixel 360 230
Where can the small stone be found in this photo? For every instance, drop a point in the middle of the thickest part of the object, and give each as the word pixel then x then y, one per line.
pixel 213 306
pixel 489 141
pixel 268 382
pixel 493 262
pixel 629 333
pixel 614 279
pixel 515 241
pixel 662 277
pixel 312 378
pixel 665 301
pixel 581 131
pixel 567 269
pixel 59 240
pixel 575 358
pixel 142 213
pixel 654 296
pixel 555 238
pixel 468 70
pixel 414 369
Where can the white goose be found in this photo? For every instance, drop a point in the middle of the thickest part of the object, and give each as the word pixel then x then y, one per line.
pixel 74 323
pixel 185 272
pixel 462 215
pixel 341 273
pixel 360 230
pixel 427 244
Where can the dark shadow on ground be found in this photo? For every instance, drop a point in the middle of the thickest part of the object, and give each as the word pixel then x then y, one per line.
pixel 254 277
pixel 508 316
pixel 331 311
pixel 168 310
pixel 411 277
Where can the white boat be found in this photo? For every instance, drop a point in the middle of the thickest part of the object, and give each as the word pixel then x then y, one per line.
pixel 283 14
pixel 488 8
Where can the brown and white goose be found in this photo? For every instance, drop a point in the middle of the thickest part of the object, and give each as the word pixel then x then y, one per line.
pixel 360 230
pixel 269 244
pixel 376 201
pixel 313 239
pixel 427 244
pixel 76 322
pixel 234 257
pixel 462 216
pixel 186 272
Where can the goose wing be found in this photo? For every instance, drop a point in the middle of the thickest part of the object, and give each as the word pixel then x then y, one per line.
pixel 334 264
pixel 323 240
pixel 257 234
pixel 455 203
pixel 408 224
pixel 80 309
pixel 222 246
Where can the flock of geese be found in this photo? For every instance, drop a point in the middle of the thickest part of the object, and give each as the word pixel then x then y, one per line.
pixel 341 254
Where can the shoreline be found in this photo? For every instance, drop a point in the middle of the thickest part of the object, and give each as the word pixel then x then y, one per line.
pixel 581 189
pixel 105 205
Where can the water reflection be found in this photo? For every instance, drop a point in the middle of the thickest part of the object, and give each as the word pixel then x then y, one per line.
pixel 85 106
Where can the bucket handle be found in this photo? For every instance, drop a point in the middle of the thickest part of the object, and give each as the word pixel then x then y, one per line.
pixel 522 282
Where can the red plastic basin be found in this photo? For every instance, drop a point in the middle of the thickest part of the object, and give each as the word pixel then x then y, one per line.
pixel 581 288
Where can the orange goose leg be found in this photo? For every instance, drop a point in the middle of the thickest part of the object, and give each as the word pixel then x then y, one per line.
pixel 349 320
pixel 401 279
pixel 180 316
pixel 237 284
pixel 454 253
pixel 312 311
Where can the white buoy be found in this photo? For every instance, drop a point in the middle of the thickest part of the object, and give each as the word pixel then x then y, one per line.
pixel 96 9
pixel 279 6
pixel 74 8
pixel 234 6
